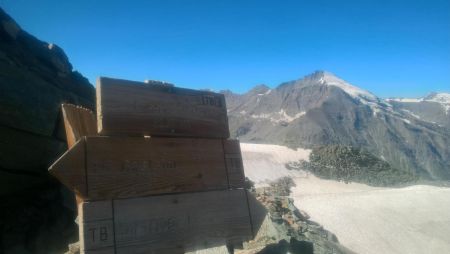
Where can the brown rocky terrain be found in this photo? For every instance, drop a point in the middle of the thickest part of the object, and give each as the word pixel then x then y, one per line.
pixel 35 78
pixel 287 229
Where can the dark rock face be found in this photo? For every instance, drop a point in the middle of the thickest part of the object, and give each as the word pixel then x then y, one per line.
pixel 35 221
pixel 35 78
pixel 322 109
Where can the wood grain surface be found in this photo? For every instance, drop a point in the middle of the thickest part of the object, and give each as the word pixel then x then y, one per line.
pixel 140 109
pixel 78 122
pixel 174 223
pixel 122 167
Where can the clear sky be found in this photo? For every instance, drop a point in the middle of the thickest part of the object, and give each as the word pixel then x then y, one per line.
pixel 391 48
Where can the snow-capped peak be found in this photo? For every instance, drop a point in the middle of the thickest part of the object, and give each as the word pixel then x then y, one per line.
pixel 443 98
pixel 259 90
pixel 330 79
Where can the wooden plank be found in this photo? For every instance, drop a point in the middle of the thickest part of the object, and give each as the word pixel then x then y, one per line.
pixel 121 167
pixel 78 122
pixel 235 165
pixel 258 212
pixel 136 108
pixel 70 169
pixel 174 223
pixel 96 228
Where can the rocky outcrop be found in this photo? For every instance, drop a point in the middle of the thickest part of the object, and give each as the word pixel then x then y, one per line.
pixel 349 164
pixel 35 78
pixel 287 229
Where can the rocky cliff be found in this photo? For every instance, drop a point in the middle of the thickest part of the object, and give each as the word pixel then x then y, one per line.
pixel 35 78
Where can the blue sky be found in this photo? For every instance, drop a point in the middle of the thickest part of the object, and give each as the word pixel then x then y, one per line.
pixel 391 48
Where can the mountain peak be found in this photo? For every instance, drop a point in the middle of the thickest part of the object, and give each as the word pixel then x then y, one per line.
pixel 321 77
pixel 259 89
pixel 319 74
pixel 438 97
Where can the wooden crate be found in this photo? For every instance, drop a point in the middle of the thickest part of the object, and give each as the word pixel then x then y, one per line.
pixel 135 108
pixel 179 189
pixel 121 167
pixel 164 224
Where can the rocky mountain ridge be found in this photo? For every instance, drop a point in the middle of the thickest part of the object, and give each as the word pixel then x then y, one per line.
pixel 322 109
pixel 433 108
pixel 35 78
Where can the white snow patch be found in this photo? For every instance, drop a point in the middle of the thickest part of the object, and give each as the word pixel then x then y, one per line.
pixel 441 98
pixel 265 163
pixel 375 110
pixel 374 220
pixel 331 80
pixel 363 96
pixel 261 116
pixel 375 107
pixel 411 113
pixel 266 93
pixel 410 100
pixel 365 219
pixel 447 109
pixel 278 117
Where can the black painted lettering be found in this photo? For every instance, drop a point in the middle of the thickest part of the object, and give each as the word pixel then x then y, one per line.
pixel 171 224
pixel 103 234
pixel 212 101
pixel 93 233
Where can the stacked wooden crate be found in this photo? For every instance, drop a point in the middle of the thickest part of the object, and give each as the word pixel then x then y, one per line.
pixel 161 175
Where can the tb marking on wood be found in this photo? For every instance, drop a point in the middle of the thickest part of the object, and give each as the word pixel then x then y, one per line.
pixel 162 222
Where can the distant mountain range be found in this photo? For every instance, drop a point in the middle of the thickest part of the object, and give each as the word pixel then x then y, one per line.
pixel 434 108
pixel 412 135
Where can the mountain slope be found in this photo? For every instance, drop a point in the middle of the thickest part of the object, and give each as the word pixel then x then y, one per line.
pixel 434 108
pixel 322 109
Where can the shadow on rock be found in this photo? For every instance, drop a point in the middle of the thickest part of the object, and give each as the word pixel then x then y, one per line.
pixel 293 247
